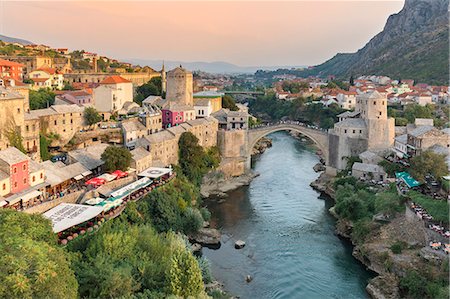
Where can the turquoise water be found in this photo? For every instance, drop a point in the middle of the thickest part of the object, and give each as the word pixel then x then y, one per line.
pixel 291 250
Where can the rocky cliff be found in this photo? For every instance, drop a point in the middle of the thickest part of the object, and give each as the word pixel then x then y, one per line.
pixel 414 44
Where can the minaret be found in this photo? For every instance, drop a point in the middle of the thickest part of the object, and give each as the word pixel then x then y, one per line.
pixel 163 79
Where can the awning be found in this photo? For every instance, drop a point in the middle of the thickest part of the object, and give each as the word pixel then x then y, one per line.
pixel 94 201
pixel 130 188
pixel 67 215
pixel 32 194
pixel 3 203
pixel 86 173
pixel 13 201
pixel 155 172
pixel 108 177
pixel 78 177
pixel 407 178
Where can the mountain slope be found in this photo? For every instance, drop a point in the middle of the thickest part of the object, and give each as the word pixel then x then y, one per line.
pixel 414 44
pixel 14 40
pixel 209 67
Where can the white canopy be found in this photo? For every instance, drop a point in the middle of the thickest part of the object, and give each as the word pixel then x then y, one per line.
pixel 67 215
pixel 3 203
pixel 155 172
pixel 94 201
pixel 108 177
pixel 86 173
pixel 78 177
pixel 33 194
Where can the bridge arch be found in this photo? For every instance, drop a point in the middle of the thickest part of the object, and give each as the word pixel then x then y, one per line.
pixel 319 137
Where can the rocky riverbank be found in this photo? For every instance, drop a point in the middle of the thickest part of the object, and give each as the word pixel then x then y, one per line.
pixel 215 183
pixel 261 146
pixel 376 253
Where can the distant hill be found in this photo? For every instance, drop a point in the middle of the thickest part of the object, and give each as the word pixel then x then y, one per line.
pixel 215 67
pixel 414 44
pixel 15 40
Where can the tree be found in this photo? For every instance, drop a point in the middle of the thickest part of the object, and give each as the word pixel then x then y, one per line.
pixel 91 116
pixel 151 88
pixel 14 135
pixel 192 158
pixel 184 275
pixel 229 103
pixel 352 81
pixel 67 86
pixel 44 143
pixel 32 264
pixel 41 98
pixel 116 158
pixel 428 162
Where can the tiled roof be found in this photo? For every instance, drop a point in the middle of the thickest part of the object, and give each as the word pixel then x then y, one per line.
pixel 4 62
pixel 421 130
pixel 114 80
pixel 351 123
pixel 12 155
pixel 367 167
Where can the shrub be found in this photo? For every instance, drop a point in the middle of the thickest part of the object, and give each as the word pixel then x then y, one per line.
pixel 192 221
pixel 397 247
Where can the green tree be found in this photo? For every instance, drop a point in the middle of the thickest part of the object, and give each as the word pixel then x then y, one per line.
pixel 352 81
pixel 414 111
pixel 67 86
pixel 32 265
pixel 184 275
pixel 91 116
pixel 44 143
pixel 192 157
pixel 428 162
pixel 41 98
pixel 116 158
pixel 151 88
pixel 14 135
pixel 228 102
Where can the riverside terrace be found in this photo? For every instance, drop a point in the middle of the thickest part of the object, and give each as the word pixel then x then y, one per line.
pixel 72 220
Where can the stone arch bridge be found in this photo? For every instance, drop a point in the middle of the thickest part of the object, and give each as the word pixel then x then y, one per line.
pixel 319 137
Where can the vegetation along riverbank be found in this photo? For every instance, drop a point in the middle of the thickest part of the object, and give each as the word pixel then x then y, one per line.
pixel 389 238
pixel 143 253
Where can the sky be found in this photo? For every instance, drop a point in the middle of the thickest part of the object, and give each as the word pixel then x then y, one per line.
pixel 246 33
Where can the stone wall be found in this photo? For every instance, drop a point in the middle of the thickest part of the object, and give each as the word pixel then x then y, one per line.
pixel 43 207
pixel 233 149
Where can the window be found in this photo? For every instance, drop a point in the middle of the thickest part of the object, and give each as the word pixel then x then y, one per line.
pixel 374 102
pixel 4 187
pixel 34 178
pixel 354 131
pixel 24 180
pixel 15 170
pixel 56 123
pixel 360 131
pixel 41 176
pixel 345 131
pixel 15 184
pixel 24 167
pixel 18 110
pixel 381 113
pixel 27 128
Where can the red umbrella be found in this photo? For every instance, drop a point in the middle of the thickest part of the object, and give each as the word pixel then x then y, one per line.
pixel 120 174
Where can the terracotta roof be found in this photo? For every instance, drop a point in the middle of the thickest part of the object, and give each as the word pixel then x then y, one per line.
pixel 4 62
pixel 114 80
pixel 48 70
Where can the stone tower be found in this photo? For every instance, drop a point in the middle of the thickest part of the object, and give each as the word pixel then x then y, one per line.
pixel 380 129
pixel 180 86
pixel 163 79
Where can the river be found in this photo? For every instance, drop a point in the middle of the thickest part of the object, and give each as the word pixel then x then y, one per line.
pixel 291 250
